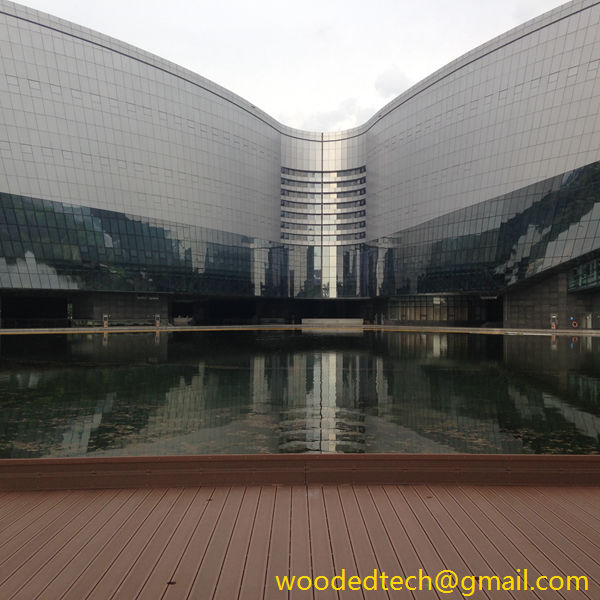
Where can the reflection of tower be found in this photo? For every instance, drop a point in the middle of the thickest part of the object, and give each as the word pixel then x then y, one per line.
pixel 259 389
pixel 322 411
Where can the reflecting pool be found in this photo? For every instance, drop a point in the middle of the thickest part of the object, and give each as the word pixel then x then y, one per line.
pixel 276 392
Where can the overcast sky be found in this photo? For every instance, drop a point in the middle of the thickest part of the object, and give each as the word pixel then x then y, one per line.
pixel 322 65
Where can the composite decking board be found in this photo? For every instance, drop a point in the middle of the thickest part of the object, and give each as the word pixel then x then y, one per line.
pixel 33 521
pixel 362 546
pixel 232 569
pixel 210 568
pixel 583 493
pixel 186 570
pixel 300 546
pixel 386 556
pixel 457 559
pixel 255 563
pixel 480 555
pixel 344 556
pixel 38 549
pixel 503 557
pixel 136 541
pixel 141 569
pixel 89 579
pixel 585 556
pixel 583 503
pixel 10 502
pixel 429 558
pixel 45 566
pixel 278 561
pixel 63 580
pixel 118 569
pixel 515 546
pixel 158 581
pixel 403 544
pixel 587 535
pixel 320 542
pixel 559 561
pixel 529 531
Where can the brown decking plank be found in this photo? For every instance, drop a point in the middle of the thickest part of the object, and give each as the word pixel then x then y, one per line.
pixel 583 503
pixel 32 522
pixel 20 551
pixel 232 571
pixel 588 496
pixel 67 546
pixel 162 572
pixel 402 542
pixel 341 544
pixel 583 552
pixel 87 581
pixel 364 554
pixel 321 550
pixel 430 560
pixel 572 520
pixel 563 554
pixel 482 558
pixel 141 568
pixel 131 550
pixel 184 571
pixel 255 566
pixel 385 553
pixel 20 503
pixel 455 557
pixel 489 546
pixel 210 566
pixel 300 546
pixel 513 545
pixel 94 545
pixel 278 561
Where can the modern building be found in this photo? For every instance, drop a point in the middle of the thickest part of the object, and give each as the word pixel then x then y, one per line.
pixel 132 187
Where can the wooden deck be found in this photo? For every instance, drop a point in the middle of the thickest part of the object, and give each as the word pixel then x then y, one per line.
pixel 230 542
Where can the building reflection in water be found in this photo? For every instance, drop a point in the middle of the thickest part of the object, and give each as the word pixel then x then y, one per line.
pixel 289 392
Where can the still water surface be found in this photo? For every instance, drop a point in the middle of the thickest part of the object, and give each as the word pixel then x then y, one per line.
pixel 275 392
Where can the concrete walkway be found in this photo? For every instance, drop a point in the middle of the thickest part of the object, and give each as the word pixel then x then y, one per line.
pixel 332 328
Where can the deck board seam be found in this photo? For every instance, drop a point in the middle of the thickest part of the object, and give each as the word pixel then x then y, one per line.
pixel 247 553
pixel 486 528
pixel 59 523
pixel 495 525
pixel 69 495
pixel 442 530
pixel 542 549
pixel 190 538
pixel 543 526
pixel 451 518
pixel 128 541
pixel 550 507
pixel 401 570
pixel 232 535
pixel 148 542
pixel 89 539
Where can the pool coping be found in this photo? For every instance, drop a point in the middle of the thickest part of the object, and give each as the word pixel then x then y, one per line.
pixel 296 469
pixel 511 331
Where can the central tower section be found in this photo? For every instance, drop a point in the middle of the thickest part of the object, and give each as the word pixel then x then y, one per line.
pixel 323 206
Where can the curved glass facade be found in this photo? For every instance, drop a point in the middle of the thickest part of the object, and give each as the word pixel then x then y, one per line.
pixel 121 172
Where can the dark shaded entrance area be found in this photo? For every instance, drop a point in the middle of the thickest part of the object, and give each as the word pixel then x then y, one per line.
pixel 34 311
pixel 232 311
pixel 492 310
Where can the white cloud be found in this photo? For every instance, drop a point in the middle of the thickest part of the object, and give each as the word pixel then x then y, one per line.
pixel 392 82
